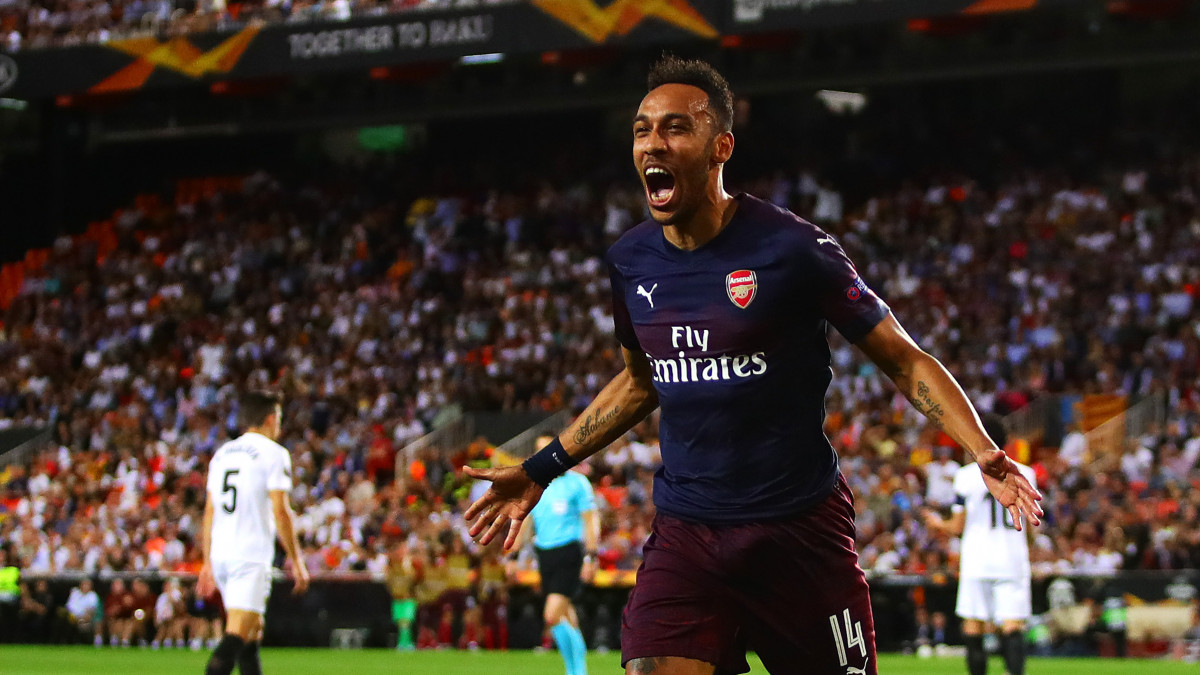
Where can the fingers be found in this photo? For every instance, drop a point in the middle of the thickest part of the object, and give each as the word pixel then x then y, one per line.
pixel 484 501
pixel 478 507
pixel 485 474
pixel 1027 488
pixel 498 524
pixel 1034 506
pixel 1015 513
pixel 1030 494
pixel 1028 508
pixel 300 584
pixel 1033 511
pixel 514 530
pixel 485 517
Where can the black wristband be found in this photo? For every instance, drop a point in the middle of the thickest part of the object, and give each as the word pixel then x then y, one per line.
pixel 548 463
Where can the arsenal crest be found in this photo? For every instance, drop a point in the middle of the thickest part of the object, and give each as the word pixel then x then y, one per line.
pixel 741 287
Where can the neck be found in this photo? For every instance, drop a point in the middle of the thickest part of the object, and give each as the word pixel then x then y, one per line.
pixel 261 431
pixel 706 222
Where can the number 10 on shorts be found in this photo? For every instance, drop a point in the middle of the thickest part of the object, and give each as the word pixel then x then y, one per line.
pixel 853 637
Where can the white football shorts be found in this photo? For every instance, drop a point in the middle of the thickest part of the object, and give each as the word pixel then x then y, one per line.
pixel 244 585
pixel 994 600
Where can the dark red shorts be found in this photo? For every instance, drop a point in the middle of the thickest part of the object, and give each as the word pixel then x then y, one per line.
pixel 791 590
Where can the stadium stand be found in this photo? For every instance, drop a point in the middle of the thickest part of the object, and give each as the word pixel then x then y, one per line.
pixel 39 24
pixel 382 319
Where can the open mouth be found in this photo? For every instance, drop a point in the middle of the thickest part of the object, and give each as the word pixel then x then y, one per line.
pixel 660 186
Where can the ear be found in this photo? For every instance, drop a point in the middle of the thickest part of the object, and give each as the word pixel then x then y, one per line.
pixel 722 147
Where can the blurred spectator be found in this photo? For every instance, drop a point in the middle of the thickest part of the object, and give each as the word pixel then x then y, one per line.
pixel 939 476
pixel 170 616
pixel 143 602
pixel 930 632
pixel 1074 449
pixel 402 577
pixel 204 618
pixel 38 613
pixel 10 595
pixel 118 613
pixel 84 609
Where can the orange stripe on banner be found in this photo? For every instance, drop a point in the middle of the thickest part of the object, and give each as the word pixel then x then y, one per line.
pixel 183 50
pixel 135 46
pixel 132 76
pixel 997 6
pixel 237 47
pixel 618 18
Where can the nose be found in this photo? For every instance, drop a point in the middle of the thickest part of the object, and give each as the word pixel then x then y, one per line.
pixel 654 143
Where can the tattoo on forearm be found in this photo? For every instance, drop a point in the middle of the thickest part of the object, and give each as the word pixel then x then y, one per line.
pixel 925 404
pixel 589 426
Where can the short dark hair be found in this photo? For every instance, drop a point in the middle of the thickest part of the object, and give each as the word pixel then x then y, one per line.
pixel 254 407
pixel 671 69
pixel 993 424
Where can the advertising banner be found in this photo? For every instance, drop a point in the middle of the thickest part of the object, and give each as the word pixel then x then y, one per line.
pixel 407 37
pixel 428 36
pixel 748 16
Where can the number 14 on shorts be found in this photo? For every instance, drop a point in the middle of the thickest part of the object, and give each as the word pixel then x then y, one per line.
pixel 853 638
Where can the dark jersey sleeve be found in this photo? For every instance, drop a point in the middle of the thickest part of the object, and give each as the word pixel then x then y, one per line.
pixel 622 324
pixel 844 298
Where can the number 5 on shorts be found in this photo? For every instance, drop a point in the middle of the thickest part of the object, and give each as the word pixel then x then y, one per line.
pixel 853 639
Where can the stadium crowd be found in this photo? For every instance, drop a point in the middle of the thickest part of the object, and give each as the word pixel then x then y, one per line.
pixel 382 319
pixel 37 24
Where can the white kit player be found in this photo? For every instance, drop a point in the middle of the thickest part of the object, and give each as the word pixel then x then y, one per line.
pixel 249 479
pixel 994 572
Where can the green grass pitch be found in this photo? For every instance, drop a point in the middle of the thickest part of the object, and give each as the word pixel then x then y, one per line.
pixel 27 660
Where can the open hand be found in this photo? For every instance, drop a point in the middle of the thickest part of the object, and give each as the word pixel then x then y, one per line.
pixel 205 584
pixel 1009 487
pixel 506 503
pixel 299 576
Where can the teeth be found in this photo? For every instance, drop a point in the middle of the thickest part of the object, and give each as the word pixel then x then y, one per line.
pixel 655 169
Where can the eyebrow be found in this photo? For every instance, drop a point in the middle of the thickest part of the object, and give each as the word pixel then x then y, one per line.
pixel 669 117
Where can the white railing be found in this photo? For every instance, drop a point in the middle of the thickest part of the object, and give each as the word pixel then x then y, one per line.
pixel 1029 423
pixel 521 445
pixel 1107 440
pixel 449 439
pixel 21 453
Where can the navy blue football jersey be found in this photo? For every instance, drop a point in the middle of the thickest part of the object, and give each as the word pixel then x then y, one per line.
pixel 735 334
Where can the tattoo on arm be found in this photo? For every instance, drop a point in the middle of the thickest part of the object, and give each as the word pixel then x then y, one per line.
pixel 591 426
pixel 925 404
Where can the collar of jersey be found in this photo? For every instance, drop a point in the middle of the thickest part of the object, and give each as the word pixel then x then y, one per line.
pixel 711 244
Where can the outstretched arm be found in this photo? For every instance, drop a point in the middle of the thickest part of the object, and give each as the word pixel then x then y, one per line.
pixel 934 392
pixel 624 402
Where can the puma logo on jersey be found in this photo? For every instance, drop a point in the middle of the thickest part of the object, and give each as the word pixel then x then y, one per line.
pixel 827 240
pixel 851 670
pixel 647 293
